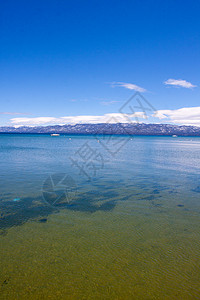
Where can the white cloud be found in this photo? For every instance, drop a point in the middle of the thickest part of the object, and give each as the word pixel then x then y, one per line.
pixel 182 116
pixel 179 83
pixel 84 119
pixel 33 121
pixel 129 86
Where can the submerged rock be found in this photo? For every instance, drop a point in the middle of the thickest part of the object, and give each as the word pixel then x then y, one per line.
pixel 44 220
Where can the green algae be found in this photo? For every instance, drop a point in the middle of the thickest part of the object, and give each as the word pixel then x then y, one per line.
pixel 134 251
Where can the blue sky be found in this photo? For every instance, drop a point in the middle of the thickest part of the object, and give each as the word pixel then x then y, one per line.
pixel 74 58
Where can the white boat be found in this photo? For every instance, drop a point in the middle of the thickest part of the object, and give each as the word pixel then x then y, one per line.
pixel 55 134
pixel 174 135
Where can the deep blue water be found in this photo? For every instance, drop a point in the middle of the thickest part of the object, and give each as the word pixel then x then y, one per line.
pixel 144 167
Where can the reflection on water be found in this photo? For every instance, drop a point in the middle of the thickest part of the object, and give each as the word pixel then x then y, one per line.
pixel 132 232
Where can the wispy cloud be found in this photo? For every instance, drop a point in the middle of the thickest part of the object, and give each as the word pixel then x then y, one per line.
pixel 129 86
pixel 179 83
pixel 109 102
pixel 13 113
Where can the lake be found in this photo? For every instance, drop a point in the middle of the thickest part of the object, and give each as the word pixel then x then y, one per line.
pixel 95 217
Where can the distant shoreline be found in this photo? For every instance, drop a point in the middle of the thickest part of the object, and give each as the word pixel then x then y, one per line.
pixel 92 134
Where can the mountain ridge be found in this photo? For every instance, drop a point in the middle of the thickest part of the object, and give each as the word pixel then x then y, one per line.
pixel 108 128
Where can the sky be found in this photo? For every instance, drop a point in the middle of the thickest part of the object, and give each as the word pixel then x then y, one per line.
pixel 64 62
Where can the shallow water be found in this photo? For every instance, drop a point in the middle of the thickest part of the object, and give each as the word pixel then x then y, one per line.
pixel 84 217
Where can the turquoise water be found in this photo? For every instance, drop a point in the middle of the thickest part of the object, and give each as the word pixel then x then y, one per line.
pixel 85 217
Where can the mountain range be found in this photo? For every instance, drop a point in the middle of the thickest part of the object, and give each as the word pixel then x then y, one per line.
pixel 108 128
